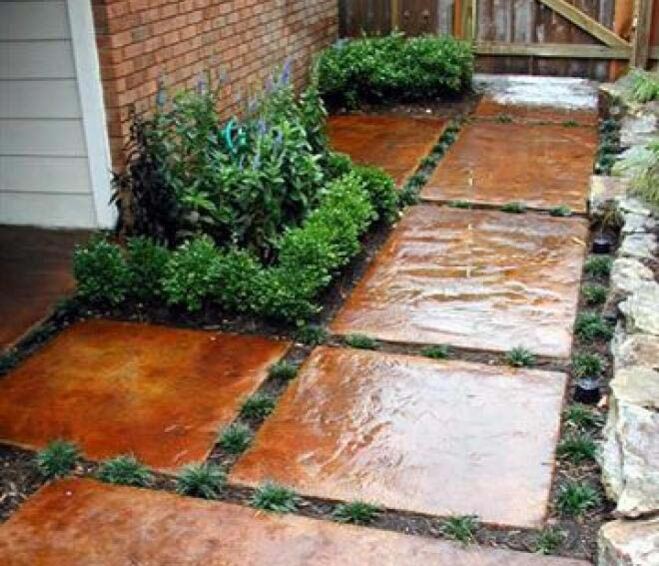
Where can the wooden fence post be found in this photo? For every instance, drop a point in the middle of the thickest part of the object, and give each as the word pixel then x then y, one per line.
pixel 641 40
pixel 395 15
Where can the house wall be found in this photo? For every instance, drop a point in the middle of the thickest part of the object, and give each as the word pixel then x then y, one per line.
pixel 142 40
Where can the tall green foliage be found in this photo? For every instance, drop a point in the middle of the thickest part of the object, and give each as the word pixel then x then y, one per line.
pixel 641 166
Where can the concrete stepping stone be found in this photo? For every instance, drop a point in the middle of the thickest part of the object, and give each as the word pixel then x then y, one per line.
pixel 474 279
pixel 542 166
pixel 490 108
pixel 113 388
pixel 82 522
pixel 395 143
pixel 413 434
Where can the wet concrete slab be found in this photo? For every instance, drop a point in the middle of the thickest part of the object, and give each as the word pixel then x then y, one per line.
pixel 395 143
pixel 114 388
pixel 401 431
pixel 472 278
pixel 542 166
pixel 490 108
pixel 36 273
pixel 82 522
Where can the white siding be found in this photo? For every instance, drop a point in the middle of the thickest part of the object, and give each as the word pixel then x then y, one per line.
pixel 44 168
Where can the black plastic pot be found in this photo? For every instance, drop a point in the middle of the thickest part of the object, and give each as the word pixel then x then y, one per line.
pixel 601 245
pixel 587 390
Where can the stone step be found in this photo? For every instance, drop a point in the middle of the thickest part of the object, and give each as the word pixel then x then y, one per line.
pixel 82 522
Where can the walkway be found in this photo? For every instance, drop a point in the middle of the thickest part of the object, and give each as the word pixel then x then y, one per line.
pixel 424 438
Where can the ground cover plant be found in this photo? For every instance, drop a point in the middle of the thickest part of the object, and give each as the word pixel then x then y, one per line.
pixel 394 68
pixel 276 498
pixel 643 86
pixel 641 166
pixel 125 470
pixel 520 357
pixel 235 438
pixel 252 216
pixel 57 459
pixel 201 480
pixel 356 512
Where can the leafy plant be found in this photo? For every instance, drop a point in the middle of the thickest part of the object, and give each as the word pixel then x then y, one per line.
pixel 57 459
pixel 641 166
pixel 258 406
pixel 609 146
pixel 125 470
pixel 462 528
pixel 101 272
pixel 394 68
pixel 283 370
pixel 587 365
pixel 382 191
pixel 356 512
pixel 576 498
pixel 235 438
pixel 311 335
pixel 146 262
pixel 577 448
pixel 594 294
pixel 201 480
pixel 361 341
pixel 549 540
pixel 590 326
pixel 514 207
pixel 273 497
pixel 438 352
pixel 598 265
pixel 582 417
pixel 644 86
pixel 520 357
pixel 561 211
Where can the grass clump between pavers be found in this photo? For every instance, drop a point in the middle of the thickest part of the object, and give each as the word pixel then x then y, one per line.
pixel 576 498
pixel 582 417
pixel 562 211
pixel 125 470
pixel 461 528
pixel 258 406
pixel 57 459
pixel 549 540
pixel 598 265
pixel 577 448
pixel 311 335
pixel 283 370
pixel 464 204
pixel 520 357
pixel 514 207
pixel 355 512
pixel 437 352
pixel 235 438
pixel 361 342
pixel 273 497
pixel 201 480
pixel 587 365
pixel 591 326
pixel 595 294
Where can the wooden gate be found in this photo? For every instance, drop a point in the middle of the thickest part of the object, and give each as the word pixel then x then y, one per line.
pixel 594 38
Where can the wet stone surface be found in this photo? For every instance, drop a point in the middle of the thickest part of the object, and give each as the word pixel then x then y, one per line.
pixel 542 166
pixel 401 431
pixel 474 279
pixel 489 107
pixel 62 525
pixel 114 388
pixel 395 143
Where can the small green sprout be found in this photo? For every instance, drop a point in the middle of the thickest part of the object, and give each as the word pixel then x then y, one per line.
pixel 462 528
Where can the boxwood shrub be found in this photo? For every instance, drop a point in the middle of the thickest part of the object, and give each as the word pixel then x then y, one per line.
pixel 393 67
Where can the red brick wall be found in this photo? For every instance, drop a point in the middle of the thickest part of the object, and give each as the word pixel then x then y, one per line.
pixel 142 40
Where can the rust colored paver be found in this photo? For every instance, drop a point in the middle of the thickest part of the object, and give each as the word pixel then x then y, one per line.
pixel 542 166
pixel 36 273
pixel 490 108
pixel 474 279
pixel 82 522
pixel 159 393
pixel 413 434
pixel 395 143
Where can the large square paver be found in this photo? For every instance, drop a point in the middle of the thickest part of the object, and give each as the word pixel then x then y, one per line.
pixel 112 387
pixel 414 434
pixel 490 108
pixel 395 143
pixel 82 522
pixel 542 166
pixel 474 279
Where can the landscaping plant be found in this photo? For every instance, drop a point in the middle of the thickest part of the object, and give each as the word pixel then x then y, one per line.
pixel 57 459
pixel 125 470
pixel 258 406
pixel 595 294
pixel 201 480
pixel 576 498
pixel 273 497
pixel 587 365
pixel 582 417
pixel 283 370
pixel 549 540
pixel 361 342
pixel 438 352
pixel 641 166
pixel 577 448
pixel 520 357
pixel 355 512
pixel 461 528
pixel 591 326
pixel 235 438
pixel 598 265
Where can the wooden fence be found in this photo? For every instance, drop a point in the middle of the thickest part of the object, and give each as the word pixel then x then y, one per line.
pixel 593 38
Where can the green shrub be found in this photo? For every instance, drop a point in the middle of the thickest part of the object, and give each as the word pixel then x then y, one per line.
pixel 598 265
pixel 641 166
pixel 395 68
pixel 57 459
pixel 577 448
pixel 125 470
pixel 237 272
pixel 146 265
pixel 587 365
pixel 520 357
pixel 582 417
pixel 101 272
pixel 361 342
pixel 644 86
pixel 258 406
pixel 438 352
pixel 283 370
pixel 595 294
pixel 201 480
pixel 461 528
pixel 355 512
pixel 273 497
pixel 590 326
pixel 235 438
pixel 381 190
pixel 192 274
pixel 576 498
pixel 311 334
